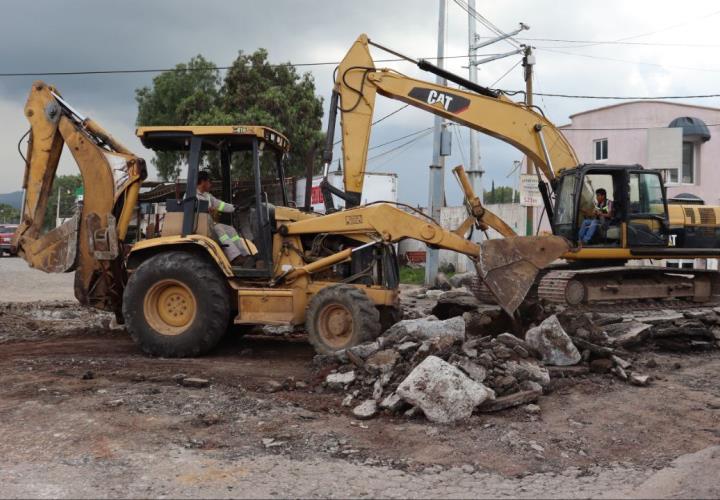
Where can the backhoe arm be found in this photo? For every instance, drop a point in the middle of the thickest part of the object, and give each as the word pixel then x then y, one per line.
pixel 90 242
pixel 358 81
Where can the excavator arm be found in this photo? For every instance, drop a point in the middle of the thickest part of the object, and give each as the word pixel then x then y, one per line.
pixel 508 266
pixel 90 242
pixel 358 81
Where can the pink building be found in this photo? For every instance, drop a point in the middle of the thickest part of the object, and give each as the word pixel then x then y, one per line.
pixel 676 138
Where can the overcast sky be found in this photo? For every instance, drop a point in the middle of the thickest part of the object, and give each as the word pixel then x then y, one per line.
pixel 50 35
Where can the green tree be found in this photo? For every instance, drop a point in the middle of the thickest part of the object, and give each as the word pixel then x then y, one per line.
pixel 185 96
pixel 9 214
pixel 253 92
pixel 67 185
pixel 502 194
pixel 257 92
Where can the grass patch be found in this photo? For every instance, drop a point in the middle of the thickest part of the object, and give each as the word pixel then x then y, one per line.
pixel 415 276
pixel 412 276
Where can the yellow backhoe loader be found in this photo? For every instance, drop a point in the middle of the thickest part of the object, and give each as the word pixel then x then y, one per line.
pixel 175 289
pixel 643 224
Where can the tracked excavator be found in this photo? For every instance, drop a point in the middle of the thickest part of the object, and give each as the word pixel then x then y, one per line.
pixel 174 288
pixel 598 274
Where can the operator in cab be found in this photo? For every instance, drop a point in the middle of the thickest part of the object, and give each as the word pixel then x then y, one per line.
pixel 237 249
pixel 600 215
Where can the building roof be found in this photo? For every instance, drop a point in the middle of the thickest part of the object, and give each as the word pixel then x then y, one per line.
pixel 629 103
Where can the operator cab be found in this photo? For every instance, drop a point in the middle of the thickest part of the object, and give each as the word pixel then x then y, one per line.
pixel 636 213
pixel 237 153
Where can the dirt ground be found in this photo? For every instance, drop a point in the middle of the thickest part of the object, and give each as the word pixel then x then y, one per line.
pixel 84 414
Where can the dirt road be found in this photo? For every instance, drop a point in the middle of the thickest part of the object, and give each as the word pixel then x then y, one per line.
pixel 84 414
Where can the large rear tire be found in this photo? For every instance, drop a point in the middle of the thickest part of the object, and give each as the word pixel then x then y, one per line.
pixel 176 304
pixel 339 317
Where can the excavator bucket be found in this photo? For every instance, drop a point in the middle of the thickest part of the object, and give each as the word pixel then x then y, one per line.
pixel 508 266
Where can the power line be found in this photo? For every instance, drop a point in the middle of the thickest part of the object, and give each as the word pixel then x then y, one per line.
pixel 486 22
pixel 379 120
pixel 591 43
pixel 396 148
pixel 643 63
pixel 399 138
pixel 624 40
pixel 621 129
pixel 620 98
pixel 218 68
pixel 506 73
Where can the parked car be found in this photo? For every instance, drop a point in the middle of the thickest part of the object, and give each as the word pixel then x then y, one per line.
pixel 6 234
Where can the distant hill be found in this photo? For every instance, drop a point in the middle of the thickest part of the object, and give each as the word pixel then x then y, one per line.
pixel 12 199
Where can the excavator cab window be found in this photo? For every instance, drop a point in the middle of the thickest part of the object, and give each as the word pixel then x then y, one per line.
pixel 647 223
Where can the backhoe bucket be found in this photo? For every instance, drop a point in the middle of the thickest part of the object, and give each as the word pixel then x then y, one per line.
pixel 508 266
pixel 56 250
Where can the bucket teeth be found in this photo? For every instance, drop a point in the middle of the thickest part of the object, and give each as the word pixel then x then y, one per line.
pixel 508 266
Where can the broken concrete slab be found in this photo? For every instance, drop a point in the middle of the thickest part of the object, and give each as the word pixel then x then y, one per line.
pixel 340 380
pixel 472 370
pixel 393 402
pixel 505 402
pixel 524 370
pixel 622 363
pixel 662 316
pixel 365 350
pixel 443 392
pixel 382 361
pixel 638 379
pixel 426 328
pixel 365 410
pixel 552 343
pixel 462 279
pixel 628 333
pixel 455 303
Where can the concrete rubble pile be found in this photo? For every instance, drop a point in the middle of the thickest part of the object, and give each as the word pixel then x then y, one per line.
pixel 448 367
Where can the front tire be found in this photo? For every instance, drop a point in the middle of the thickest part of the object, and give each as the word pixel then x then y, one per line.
pixel 176 304
pixel 339 317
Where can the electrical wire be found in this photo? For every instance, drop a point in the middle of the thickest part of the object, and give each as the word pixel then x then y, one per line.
pixel 506 73
pixel 626 61
pixel 400 138
pixel 396 148
pixel 486 22
pixel 626 128
pixel 218 68
pixel 456 130
pixel 627 98
pixel 625 40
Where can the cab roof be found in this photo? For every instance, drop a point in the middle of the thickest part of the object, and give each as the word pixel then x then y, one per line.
pixel 174 138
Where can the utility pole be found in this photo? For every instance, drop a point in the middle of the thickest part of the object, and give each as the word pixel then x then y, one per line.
pixel 57 213
pixel 475 172
pixel 528 63
pixel 436 196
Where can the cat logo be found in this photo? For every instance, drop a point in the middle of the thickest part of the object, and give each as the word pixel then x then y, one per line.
pixel 449 102
pixel 353 219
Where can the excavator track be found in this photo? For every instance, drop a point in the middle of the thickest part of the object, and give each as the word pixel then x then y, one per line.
pixel 622 288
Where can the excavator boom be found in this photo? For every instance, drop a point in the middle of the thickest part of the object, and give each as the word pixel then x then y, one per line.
pixel 358 82
pixel 89 242
pixel 507 267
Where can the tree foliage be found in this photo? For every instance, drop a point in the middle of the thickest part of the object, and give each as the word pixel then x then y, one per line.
pixel 66 185
pixel 9 214
pixel 502 194
pixel 253 92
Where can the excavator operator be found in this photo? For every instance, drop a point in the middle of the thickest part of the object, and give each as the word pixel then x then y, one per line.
pixel 236 248
pixel 602 213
